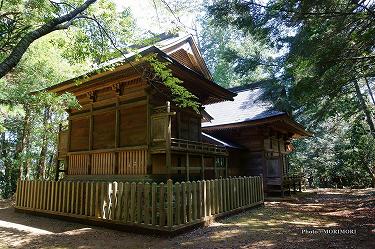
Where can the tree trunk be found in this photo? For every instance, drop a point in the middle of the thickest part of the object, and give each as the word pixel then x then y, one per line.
pixel 26 141
pixel 370 168
pixel 23 140
pixel 61 22
pixel 370 91
pixel 7 164
pixel 364 108
pixel 50 165
pixel 41 171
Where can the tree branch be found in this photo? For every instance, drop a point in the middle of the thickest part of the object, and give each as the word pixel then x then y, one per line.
pixel 19 50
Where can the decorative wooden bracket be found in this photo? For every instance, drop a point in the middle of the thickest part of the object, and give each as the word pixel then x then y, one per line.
pixel 92 96
pixel 117 88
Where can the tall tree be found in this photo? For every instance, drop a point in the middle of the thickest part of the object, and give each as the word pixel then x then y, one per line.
pixel 326 54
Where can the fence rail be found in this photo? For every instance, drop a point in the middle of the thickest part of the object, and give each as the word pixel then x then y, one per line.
pixel 167 207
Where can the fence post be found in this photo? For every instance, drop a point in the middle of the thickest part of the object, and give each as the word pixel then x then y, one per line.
pixel 178 203
pixel 262 188
pixel 133 189
pixel 153 204
pixel 68 196
pixel 200 211
pixel 189 202
pixel 126 207
pixel 170 203
pixel 96 203
pixel 146 208
pixel 161 204
pixel 195 206
pixel 114 201
pixel 217 194
pixel 204 201
pixel 92 206
pixel 139 202
pixel 208 200
pixel 184 203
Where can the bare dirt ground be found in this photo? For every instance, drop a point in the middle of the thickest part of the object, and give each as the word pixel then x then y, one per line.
pixel 304 222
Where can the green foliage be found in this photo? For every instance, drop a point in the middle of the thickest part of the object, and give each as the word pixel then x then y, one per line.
pixel 324 49
pixel 43 65
pixel 87 35
pixel 337 156
pixel 181 96
pixel 234 57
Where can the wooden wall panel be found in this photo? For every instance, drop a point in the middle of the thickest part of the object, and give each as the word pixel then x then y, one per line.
pixel 158 127
pixel 158 164
pixel 132 162
pixel 78 165
pixel 133 126
pixel 194 129
pixel 79 136
pixel 189 126
pixel 102 164
pixel 104 131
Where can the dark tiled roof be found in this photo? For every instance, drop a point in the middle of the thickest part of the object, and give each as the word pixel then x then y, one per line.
pixel 245 107
pixel 212 139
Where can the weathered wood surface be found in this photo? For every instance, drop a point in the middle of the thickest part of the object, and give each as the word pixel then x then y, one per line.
pixel 161 206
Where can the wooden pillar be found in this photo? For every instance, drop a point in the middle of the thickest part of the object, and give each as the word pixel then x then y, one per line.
pixel 66 167
pixel 168 156
pixel 187 167
pixel 91 128
pixel 226 167
pixel 149 159
pixel 117 125
pixel 117 136
pixel 57 163
pixel 215 167
pixel 178 124
pixel 203 166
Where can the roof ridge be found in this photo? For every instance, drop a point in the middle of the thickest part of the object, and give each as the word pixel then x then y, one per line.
pixel 249 86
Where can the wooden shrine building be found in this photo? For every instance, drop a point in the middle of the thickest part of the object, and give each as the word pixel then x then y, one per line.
pixel 129 129
pixel 262 137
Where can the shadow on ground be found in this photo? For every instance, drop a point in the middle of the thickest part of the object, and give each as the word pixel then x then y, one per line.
pixel 279 224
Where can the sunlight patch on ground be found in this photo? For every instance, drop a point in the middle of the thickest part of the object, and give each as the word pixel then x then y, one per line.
pixel 340 213
pixel 78 231
pixel 262 244
pixel 23 228
pixel 9 238
pixel 225 234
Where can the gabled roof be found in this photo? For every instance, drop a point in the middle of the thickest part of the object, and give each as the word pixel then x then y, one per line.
pixel 182 52
pixel 247 109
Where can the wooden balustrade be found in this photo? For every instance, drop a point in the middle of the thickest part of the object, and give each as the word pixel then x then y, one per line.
pixel 167 207
pixel 195 146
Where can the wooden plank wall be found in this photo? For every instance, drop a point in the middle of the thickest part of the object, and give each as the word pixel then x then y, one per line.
pixel 132 162
pixel 103 163
pixel 80 164
pixel 161 206
pixel 129 162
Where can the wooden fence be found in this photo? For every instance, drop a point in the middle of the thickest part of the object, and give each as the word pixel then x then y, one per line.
pixel 167 207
